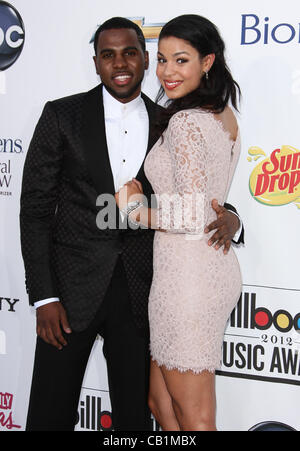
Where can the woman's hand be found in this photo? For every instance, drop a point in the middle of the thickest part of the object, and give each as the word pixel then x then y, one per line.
pixel 130 192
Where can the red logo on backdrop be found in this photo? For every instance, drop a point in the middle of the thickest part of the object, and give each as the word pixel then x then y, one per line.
pixel 6 420
pixel 92 417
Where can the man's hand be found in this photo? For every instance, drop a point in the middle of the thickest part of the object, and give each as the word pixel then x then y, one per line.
pixel 227 225
pixel 131 191
pixel 51 319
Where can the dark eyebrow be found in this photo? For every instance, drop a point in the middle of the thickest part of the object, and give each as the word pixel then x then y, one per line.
pixel 106 50
pixel 124 50
pixel 131 48
pixel 180 53
pixel 175 54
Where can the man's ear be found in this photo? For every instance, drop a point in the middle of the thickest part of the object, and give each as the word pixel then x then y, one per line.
pixel 95 61
pixel 146 60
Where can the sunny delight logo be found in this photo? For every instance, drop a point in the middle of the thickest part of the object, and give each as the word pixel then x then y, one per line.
pixel 276 180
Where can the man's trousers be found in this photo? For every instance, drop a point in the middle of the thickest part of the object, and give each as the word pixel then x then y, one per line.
pixel 58 374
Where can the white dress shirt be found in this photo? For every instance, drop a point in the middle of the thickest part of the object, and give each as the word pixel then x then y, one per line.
pixel 127 132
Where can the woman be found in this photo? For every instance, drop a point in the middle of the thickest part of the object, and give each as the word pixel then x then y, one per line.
pixel 194 287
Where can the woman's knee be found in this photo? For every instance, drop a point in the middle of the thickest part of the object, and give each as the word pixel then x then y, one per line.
pixel 194 416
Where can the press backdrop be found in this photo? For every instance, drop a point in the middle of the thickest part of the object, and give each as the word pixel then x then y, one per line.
pixel 45 53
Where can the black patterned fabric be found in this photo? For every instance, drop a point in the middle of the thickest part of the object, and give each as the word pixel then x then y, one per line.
pixel 65 254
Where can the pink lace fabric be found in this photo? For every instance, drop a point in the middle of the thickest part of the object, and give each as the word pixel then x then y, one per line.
pixel 195 287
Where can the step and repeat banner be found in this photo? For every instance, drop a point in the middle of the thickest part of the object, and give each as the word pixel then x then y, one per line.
pixel 46 53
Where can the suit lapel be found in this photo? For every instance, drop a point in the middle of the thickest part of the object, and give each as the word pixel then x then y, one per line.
pixel 94 142
pixel 152 111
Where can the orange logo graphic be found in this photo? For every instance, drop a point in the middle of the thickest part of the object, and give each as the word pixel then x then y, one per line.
pixel 150 31
pixel 276 179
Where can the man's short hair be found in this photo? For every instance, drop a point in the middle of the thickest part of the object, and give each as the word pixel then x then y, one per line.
pixel 118 23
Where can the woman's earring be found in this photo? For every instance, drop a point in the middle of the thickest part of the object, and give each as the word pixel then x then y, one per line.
pixel 206 75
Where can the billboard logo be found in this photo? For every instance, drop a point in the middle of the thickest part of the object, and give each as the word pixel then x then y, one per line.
pixel 264 343
pixel 91 417
pixel 276 179
pixel 246 315
pixel 12 35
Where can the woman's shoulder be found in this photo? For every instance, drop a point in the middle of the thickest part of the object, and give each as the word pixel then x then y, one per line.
pixel 188 118
pixel 188 126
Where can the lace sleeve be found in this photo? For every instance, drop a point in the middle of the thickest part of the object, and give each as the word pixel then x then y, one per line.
pixel 185 210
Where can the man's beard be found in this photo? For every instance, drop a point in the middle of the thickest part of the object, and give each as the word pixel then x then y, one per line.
pixel 124 95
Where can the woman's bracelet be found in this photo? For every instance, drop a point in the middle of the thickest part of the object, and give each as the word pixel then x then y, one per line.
pixel 130 207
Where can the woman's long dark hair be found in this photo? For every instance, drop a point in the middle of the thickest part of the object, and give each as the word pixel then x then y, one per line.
pixel 213 93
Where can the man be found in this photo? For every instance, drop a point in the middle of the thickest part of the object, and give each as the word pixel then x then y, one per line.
pixel 84 280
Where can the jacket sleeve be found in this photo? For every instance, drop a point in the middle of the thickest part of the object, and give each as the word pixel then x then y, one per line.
pixel 240 240
pixel 39 196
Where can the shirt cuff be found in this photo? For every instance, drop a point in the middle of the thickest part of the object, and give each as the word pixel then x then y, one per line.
pixel 44 302
pixel 239 231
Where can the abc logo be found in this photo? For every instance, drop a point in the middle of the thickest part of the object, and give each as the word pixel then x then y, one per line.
pixel 12 35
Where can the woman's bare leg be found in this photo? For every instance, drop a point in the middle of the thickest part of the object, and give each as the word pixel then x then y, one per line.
pixel 193 399
pixel 160 401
